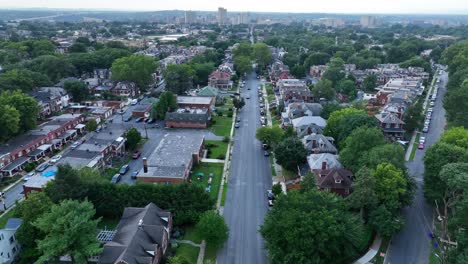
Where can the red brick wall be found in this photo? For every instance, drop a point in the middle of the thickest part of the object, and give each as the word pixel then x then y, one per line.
pixel 184 124
pixel 159 180
pixel 28 190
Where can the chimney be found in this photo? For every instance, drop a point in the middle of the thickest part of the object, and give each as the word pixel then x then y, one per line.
pixel 145 165
pixel 324 165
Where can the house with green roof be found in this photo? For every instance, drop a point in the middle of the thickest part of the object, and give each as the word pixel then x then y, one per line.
pixel 210 91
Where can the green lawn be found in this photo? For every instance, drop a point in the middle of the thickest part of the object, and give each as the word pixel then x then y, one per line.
pixel 4 217
pixel 269 89
pixel 275 122
pixel 272 164
pixel 223 196
pixel 206 169
pixel 222 125
pixel 217 149
pixel 108 223
pixel 190 252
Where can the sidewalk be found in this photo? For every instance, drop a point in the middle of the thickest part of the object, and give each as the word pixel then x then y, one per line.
pixel 410 146
pixel 212 160
pixel 277 167
pixel 371 253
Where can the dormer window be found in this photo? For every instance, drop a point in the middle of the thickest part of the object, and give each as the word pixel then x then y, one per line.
pixel 337 181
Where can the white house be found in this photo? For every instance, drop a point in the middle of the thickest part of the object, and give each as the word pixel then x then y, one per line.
pixel 9 246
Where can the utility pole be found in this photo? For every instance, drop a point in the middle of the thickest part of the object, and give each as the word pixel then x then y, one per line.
pixel 3 197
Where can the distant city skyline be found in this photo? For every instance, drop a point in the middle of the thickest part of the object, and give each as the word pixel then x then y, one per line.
pixel 291 6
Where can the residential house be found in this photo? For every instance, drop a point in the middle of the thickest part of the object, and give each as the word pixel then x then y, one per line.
pixel 48 102
pixel 323 161
pixel 173 158
pixel 303 123
pixel 316 71
pixel 391 125
pixel 58 92
pixel 309 129
pixel 144 107
pixel 142 236
pixel 296 110
pixel 293 91
pixel 318 143
pixel 35 144
pixel 125 89
pixel 187 118
pixel 337 181
pixel 9 247
pixel 220 80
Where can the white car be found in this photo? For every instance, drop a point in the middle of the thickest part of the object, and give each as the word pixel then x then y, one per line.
pixel 55 158
pixel 432 104
pixel 28 176
pixel 422 140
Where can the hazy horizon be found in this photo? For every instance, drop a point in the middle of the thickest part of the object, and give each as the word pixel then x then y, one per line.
pixel 448 7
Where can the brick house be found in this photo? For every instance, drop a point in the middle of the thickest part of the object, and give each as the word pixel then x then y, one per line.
pixel 126 89
pixel 337 181
pixel 187 118
pixel 199 102
pixel 391 124
pixel 220 80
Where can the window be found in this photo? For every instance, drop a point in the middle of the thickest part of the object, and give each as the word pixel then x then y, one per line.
pixel 337 181
pixel 8 254
pixel 12 239
pixel 14 250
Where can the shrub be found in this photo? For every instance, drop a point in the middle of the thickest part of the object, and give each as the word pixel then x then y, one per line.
pixel 226 139
pixel 221 156
pixel 229 114
pixel 29 167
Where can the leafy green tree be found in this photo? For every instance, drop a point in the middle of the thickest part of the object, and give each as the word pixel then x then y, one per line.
pixel 84 62
pixel 9 122
pixel 91 125
pixel 348 88
pixel 276 189
pixel 324 89
pixel 243 49
pixel 77 90
pixel 77 47
pixel 304 243
pixel 333 122
pixel 385 222
pixel 316 58
pixel 41 47
pixel 178 259
pixel 390 183
pixel 167 102
pixel 270 135
pixel 335 71
pixel 105 57
pixel 457 136
pixel 351 122
pixel 298 71
pixel 75 220
pixel 242 65
pixel 212 228
pixel 202 72
pixel 133 138
pixel 369 83
pixel 386 153
pixel 308 183
pixel 363 196
pixel 22 79
pixel 54 67
pixel 238 102
pixel 437 156
pixel 330 108
pixel 454 104
pixel 27 107
pixel 261 54
pixel 413 116
pixel 290 153
pixel 357 144
pixel 179 78
pixel 135 68
pixel 29 210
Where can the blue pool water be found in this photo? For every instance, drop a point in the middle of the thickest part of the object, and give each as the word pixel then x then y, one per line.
pixel 49 173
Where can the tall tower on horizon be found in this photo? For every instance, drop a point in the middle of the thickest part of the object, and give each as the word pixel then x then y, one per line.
pixel 222 16
pixel 190 17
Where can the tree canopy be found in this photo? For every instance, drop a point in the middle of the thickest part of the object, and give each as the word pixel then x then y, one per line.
pixel 135 68
pixel 178 78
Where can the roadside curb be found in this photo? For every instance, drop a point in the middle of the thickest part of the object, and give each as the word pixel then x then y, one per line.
pixel 371 252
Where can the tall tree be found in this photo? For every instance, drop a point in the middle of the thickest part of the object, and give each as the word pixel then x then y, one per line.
pixel 9 122
pixel 324 89
pixel 270 135
pixel 70 230
pixel 413 116
pixel 369 83
pixel 333 122
pixel 348 88
pixel 27 107
pixel 22 79
pixel 212 228
pixel 167 102
pixel 133 138
pixel 261 54
pixel 135 68
pixel 28 235
pixel 290 153
pixel 363 196
pixel 77 90
pixel 357 144
pixel 304 243
pixel 351 122
pixel 242 65
pixel 54 67
pixel 179 78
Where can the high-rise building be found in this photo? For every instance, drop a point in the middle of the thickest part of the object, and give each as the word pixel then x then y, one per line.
pixel 222 16
pixel 368 21
pixel 242 18
pixel 190 17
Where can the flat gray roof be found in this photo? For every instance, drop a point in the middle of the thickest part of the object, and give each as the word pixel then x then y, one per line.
pixel 173 154
pixel 193 100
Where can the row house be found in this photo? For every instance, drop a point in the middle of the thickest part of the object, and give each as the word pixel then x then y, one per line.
pixel 50 100
pixel 36 143
pixel 316 71
pixel 118 88
pixel 391 125
pixel 296 110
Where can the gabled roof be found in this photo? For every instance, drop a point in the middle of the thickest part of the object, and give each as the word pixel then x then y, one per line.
pixel 316 160
pixel 309 129
pixel 320 143
pixel 307 120
pixel 333 178
pixel 389 118
pixel 140 232
pixel 208 91
pixel 220 75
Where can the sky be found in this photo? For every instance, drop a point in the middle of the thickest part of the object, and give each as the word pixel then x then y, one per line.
pixel 297 6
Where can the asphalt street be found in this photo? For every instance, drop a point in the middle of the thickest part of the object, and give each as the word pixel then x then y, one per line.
pixel 412 244
pixel 250 177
